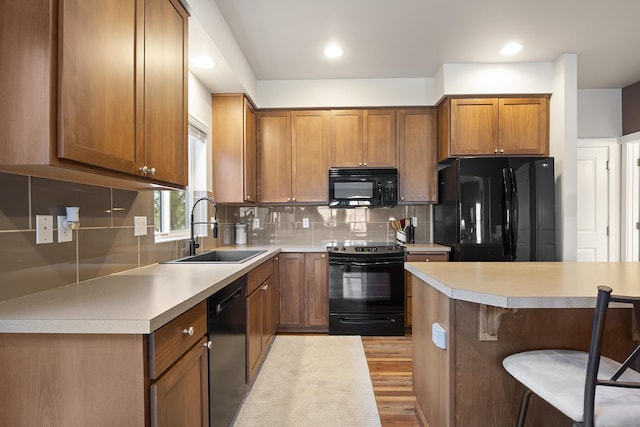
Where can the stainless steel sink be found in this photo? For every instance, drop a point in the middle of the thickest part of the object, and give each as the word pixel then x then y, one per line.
pixel 220 257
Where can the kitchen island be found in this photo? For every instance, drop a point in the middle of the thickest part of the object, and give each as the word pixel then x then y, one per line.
pixel 491 310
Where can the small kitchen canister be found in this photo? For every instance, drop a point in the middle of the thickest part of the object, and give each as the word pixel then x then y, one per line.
pixel 241 234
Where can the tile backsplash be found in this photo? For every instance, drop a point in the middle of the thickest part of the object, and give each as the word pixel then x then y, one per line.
pixel 104 244
pixel 284 225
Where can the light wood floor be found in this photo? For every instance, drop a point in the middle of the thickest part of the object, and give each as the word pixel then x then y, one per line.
pixel 390 365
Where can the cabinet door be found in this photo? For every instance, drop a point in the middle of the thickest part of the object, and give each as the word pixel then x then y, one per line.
pixel 233 135
pixel 181 396
pixel 310 156
pixel 474 127
pixel 292 289
pixel 250 191
pixel 346 138
pixel 275 296
pixel 417 164
pixel 267 312
pixel 317 284
pixel 524 126
pixel 254 331
pixel 98 83
pixel 274 156
pixel 379 138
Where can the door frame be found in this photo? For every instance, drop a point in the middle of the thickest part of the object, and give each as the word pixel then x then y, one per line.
pixel 630 191
pixel 614 214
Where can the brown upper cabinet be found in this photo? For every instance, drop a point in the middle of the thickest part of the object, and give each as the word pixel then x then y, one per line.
pixel 493 126
pixel 234 149
pixel 293 156
pixel 417 165
pixel 112 113
pixel 363 138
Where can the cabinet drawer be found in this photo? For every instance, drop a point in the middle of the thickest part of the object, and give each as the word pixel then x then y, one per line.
pixel 428 257
pixel 258 275
pixel 172 340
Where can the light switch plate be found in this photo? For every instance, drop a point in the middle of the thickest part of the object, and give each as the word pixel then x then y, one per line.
pixel 44 229
pixel 256 222
pixel 64 234
pixel 139 225
pixel 305 222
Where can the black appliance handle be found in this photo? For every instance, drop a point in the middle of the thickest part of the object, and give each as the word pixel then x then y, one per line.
pixel 376 263
pixel 514 215
pixel 368 263
pixel 506 214
pixel 357 321
pixel 228 300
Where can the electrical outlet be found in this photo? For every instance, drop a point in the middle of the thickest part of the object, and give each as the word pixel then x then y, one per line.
pixel 64 234
pixel 139 226
pixel 305 222
pixel 439 336
pixel 44 229
pixel 256 222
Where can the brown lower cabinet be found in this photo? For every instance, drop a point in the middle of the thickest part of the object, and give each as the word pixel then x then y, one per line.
pixel 418 257
pixel 262 313
pixel 107 380
pixel 304 292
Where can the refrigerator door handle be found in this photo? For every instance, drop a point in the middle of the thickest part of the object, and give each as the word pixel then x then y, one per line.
pixel 514 215
pixel 506 214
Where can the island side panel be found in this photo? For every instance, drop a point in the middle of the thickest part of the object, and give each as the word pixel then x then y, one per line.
pixel 72 380
pixel 433 369
pixel 485 391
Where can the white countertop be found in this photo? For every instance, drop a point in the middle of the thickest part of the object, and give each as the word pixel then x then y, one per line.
pixel 529 284
pixel 136 301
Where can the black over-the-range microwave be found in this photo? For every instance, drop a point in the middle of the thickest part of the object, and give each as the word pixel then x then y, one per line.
pixel 366 187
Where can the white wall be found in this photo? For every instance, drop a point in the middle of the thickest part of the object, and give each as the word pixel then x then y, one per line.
pixel 344 93
pixel 563 140
pixel 599 113
pixel 200 108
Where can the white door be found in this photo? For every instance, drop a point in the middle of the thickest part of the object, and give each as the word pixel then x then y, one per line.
pixel 593 204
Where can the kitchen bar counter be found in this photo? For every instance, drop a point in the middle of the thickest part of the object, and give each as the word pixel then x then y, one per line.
pixel 491 310
pixel 529 285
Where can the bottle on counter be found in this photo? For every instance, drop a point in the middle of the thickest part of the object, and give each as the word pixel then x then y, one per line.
pixel 410 230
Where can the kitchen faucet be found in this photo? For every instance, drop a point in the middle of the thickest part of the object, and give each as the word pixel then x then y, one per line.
pixel 193 244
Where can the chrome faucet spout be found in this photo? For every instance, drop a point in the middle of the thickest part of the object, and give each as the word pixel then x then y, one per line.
pixel 193 244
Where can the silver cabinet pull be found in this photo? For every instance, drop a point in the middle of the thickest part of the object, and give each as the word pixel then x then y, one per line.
pixel 188 331
pixel 207 344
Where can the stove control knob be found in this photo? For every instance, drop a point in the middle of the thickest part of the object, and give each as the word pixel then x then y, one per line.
pixel 344 248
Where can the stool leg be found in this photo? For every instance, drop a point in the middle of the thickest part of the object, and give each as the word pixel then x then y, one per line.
pixel 524 405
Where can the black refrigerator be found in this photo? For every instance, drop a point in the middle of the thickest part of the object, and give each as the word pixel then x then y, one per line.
pixel 497 209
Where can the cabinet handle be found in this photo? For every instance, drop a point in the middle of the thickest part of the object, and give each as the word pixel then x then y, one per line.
pixel 264 287
pixel 288 199
pixel 248 198
pixel 188 331
pixel 401 198
pixel 365 164
pixel 293 200
pixel 502 150
pixel 152 171
pixel 207 344
pixel 276 258
pixel 495 151
pixel 427 260
pixel 322 255
pixel 359 164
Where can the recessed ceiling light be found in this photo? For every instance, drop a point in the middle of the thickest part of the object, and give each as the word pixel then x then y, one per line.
pixel 333 52
pixel 511 49
pixel 203 62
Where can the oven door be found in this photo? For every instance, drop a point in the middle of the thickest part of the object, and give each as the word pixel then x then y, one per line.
pixel 366 283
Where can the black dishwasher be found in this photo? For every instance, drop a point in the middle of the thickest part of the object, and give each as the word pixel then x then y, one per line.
pixel 226 325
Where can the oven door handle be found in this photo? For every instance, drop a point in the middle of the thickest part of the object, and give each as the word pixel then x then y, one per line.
pixel 356 321
pixel 369 264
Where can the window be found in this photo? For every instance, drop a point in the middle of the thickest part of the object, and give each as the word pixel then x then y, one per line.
pixel 172 207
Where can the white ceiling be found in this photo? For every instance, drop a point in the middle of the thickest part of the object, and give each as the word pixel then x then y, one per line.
pixel 284 39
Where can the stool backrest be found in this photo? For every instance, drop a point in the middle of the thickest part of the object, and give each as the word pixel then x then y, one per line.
pixel 595 350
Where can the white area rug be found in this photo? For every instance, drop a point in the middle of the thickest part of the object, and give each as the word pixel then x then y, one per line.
pixel 312 381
